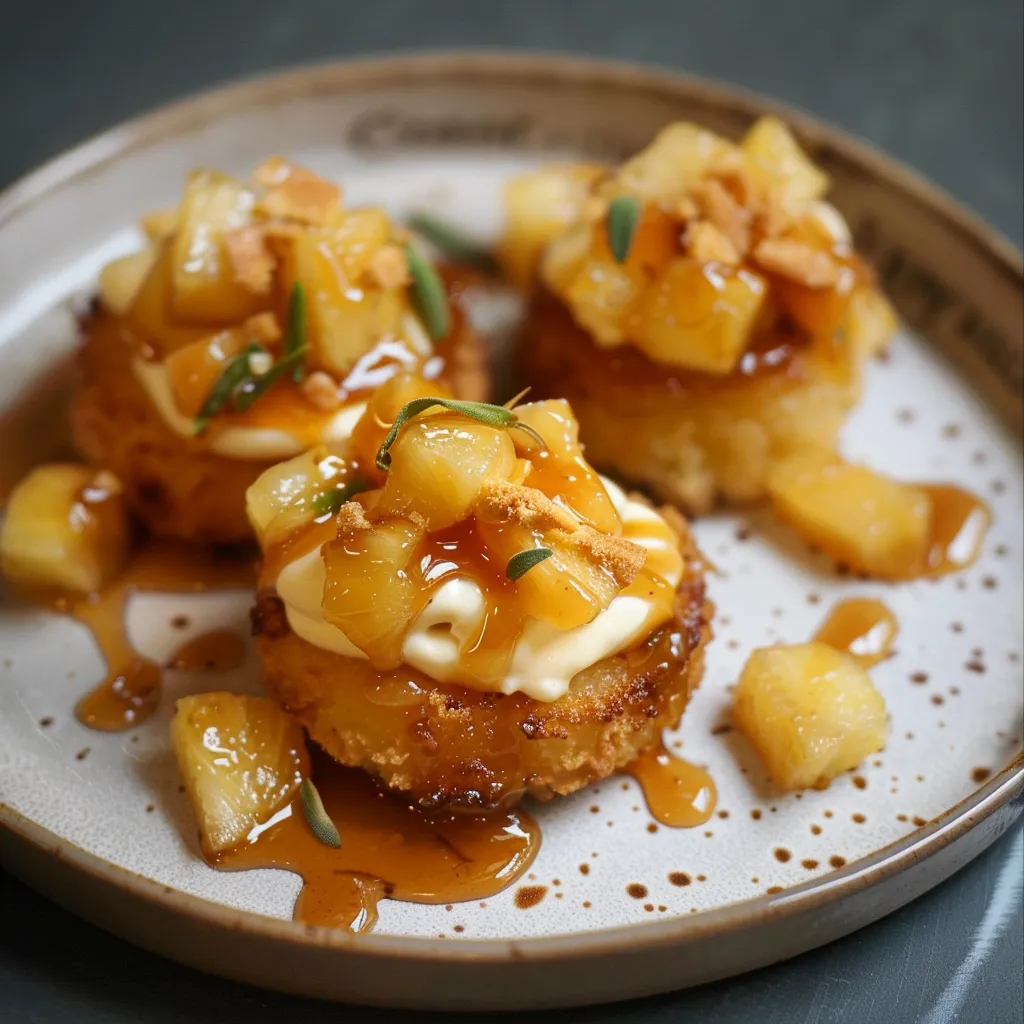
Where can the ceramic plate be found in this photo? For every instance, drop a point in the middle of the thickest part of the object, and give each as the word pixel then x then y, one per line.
pixel 96 820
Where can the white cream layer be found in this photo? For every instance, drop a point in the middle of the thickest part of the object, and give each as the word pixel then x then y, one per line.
pixel 544 659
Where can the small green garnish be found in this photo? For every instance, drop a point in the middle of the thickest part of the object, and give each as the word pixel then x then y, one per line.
pixel 428 294
pixel 520 564
pixel 295 328
pixel 482 412
pixel 330 501
pixel 319 822
pixel 621 222
pixel 453 244
pixel 253 387
pixel 232 377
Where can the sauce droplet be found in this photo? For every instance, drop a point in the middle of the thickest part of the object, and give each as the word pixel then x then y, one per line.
pixel 220 650
pixel 389 850
pixel 959 523
pixel 863 627
pixel 678 794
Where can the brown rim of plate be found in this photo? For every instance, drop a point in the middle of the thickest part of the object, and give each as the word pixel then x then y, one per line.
pixel 492 66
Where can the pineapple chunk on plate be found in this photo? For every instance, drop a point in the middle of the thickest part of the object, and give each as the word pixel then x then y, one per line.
pixel 856 516
pixel 241 759
pixel 66 527
pixel 810 711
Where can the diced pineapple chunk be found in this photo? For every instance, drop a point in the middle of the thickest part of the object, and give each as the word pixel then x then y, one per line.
pixel 369 595
pixel 193 369
pixel 439 463
pixel 672 163
pixel 286 496
pixel 345 318
pixel 771 144
pixel 856 516
pixel 539 206
pixel 67 527
pixel 241 759
pixel 204 288
pixel 698 315
pixel 870 321
pixel 121 279
pixel 809 711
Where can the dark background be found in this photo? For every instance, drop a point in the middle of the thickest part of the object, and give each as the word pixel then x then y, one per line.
pixel 936 83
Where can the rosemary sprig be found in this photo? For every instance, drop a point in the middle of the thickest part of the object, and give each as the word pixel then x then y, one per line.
pixel 330 501
pixel 428 294
pixel 232 377
pixel 622 219
pixel 252 387
pixel 452 243
pixel 520 564
pixel 319 822
pixel 482 412
pixel 295 328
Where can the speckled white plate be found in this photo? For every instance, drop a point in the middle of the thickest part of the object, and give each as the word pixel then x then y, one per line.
pixel 96 819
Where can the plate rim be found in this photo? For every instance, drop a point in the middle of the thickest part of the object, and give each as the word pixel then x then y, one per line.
pixel 208 105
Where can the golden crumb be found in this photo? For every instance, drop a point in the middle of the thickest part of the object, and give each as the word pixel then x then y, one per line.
pixel 158 224
pixel 252 263
pixel 262 327
pixel 298 194
pixel 709 244
pixel 723 211
pixel 798 262
pixel 273 171
pixel 351 519
pixel 321 391
pixel 389 267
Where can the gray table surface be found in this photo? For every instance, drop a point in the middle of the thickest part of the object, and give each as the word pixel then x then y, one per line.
pixel 937 83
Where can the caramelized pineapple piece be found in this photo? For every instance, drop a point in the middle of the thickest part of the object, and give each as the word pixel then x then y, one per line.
pixel 295 492
pixel 866 521
pixel 586 570
pixel 439 464
pixel 346 317
pixel 672 163
pixel 698 315
pixel 193 369
pixel 120 280
pixel 539 206
pixel 369 595
pixel 241 759
pixel 67 527
pixel 809 711
pixel 771 144
pixel 204 288
pixel 870 321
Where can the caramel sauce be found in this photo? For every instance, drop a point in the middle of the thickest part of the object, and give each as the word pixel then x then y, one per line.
pixel 958 526
pixel 131 690
pixel 220 650
pixel 863 627
pixel 388 851
pixel 678 794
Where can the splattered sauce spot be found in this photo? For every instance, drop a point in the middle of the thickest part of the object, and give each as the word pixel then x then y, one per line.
pixel 782 854
pixel 979 775
pixel 636 890
pixel 679 878
pixel 528 896
pixel 836 861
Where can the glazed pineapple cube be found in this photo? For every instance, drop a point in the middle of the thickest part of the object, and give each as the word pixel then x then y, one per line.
pixel 295 492
pixel 698 315
pixel 439 463
pixel 204 289
pixel 810 712
pixel 66 527
pixel 771 145
pixel 241 759
pixel 193 369
pixel 872 524
pixel 369 594
pixel 539 206
pixel 120 280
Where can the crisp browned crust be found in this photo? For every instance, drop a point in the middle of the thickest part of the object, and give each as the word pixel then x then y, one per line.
pixel 176 486
pixel 448 745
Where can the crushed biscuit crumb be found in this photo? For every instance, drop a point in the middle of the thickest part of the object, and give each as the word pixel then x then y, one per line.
pixel 797 262
pixel 389 267
pixel 320 390
pixel 720 207
pixel 708 244
pixel 262 327
pixel 296 193
pixel 252 263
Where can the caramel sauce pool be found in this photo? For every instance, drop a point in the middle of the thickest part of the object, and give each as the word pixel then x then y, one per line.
pixel 959 522
pixel 863 627
pixel 131 691
pixel 678 794
pixel 389 850
pixel 220 650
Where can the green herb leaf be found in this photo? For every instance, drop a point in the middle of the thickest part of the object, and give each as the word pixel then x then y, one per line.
pixel 295 329
pixel 330 501
pixel 319 823
pixel 232 377
pixel 623 216
pixel 453 244
pixel 482 412
pixel 428 294
pixel 252 387
pixel 520 564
